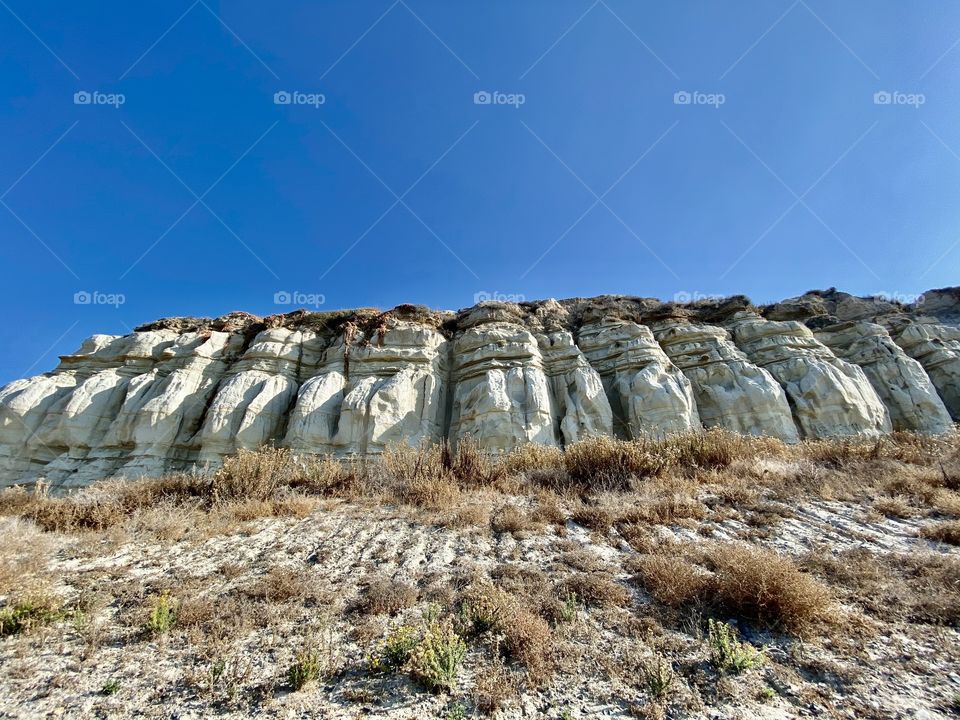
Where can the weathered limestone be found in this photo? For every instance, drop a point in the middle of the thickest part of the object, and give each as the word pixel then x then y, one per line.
pixel 829 397
pixel 579 401
pixel 366 392
pixel 648 394
pixel 501 391
pixel 937 348
pixel 182 393
pixel 731 392
pixel 157 428
pixel 900 381
pixel 250 406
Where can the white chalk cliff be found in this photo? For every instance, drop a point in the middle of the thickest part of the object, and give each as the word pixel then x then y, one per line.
pixel 183 393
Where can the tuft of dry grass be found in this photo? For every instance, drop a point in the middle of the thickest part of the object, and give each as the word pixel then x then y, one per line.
pixel 384 596
pixel 609 464
pixel 672 580
pixel 944 532
pixel 596 589
pixel 762 586
pixel 751 583
pixel 511 519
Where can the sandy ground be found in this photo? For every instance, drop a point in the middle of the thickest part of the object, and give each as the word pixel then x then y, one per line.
pixel 105 666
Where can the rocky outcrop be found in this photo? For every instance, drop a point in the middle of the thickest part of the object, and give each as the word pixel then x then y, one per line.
pixel 829 397
pixel 182 393
pixel 937 348
pixel 731 392
pixel 899 380
pixel 648 394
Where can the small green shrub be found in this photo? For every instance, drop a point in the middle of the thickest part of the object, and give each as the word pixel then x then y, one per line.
pixel 163 614
pixel 570 607
pixel 396 650
pixel 27 614
pixel 437 658
pixel 727 653
pixel 110 687
pixel 306 668
pixel 658 678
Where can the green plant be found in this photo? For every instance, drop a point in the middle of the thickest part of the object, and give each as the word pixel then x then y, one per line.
pixel 436 660
pixel 727 653
pixel 27 614
pixel 457 712
pixel 305 668
pixel 570 607
pixel 396 649
pixel 110 687
pixel 767 694
pixel 657 678
pixel 163 614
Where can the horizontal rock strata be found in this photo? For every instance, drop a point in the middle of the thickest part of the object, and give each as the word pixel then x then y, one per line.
pixel 182 393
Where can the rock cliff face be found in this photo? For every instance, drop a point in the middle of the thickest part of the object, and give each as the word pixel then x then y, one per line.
pixel 182 393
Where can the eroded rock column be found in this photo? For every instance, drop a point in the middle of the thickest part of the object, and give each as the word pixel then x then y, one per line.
pixel 648 394
pixel 829 397
pixel 731 392
pixel 899 380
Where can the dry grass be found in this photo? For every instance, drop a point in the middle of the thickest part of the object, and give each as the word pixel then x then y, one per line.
pixel 902 474
pixel 384 596
pixel 944 532
pixel 596 589
pixel 736 580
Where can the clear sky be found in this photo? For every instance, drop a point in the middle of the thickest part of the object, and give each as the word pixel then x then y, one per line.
pixel 656 149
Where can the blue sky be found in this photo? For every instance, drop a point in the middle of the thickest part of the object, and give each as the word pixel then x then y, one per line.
pixel 199 194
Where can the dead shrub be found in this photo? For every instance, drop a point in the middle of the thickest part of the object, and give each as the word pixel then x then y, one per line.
pixel 762 586
pixel 522 635
pixel 597 518
pixel 944 532
pixel 596 589
pixel 895 507
pixel 533 457
pixel 411 465
pixel 511 519
pixel 918 588
pixel 282 585
pixel 494 688
pixel 383 596
pixel 471 466
pixel 715 449
pixel 432 493
pixel 252 474
pixel 672 580
pixel 605 463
